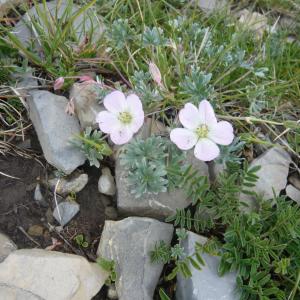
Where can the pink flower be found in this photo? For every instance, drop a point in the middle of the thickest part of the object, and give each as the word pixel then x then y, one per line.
pixel 59 82
pixel 86 78
pixel 202 130
pixel 123 118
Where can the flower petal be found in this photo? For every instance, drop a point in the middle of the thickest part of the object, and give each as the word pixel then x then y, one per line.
pixel 121 135
pixel 221 133
pixel 107 121
pixel 115 102
pixel 207 114
pixel 189 116
pixel 206 150
pixel 134 103
pixel 183 138
pixel 137 122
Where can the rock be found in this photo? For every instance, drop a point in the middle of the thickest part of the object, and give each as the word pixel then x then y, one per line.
pixel 86 96
pixel 157 206
pixel 293 193
pixel 112 293
pixel 55 129
pixel 7 5
pixel 151 127
pixel 67 211
pixel 272 175
pixel 49 275
pixel 128 243
pixel 72 184
pixel 111 213
pixel 106 183
pixel 210 5
pixel 254 21
pixel 205 284
pixel 36 230
pixel 82 24
pixel 14 293
pixel 6 247
pixel 295 181
pixel 27 81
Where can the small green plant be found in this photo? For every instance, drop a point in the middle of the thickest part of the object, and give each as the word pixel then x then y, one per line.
pixel 109 266
pixel 147 162
pixel 80 241
pixel 163 253
pixel 92 145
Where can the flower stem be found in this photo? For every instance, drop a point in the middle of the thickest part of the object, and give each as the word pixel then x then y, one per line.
pixel 250 120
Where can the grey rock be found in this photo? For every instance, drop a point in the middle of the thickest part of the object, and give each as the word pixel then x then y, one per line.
pixel 82 24
pixel 272 175
pixel 85 97
pixel 33 274
pixel 6 246
pixel 9 292
pixel 112 293
pixel 205 284
pixel 157 206
pixel 27 81
pixel 128 243
pixel 295 181
pixel 293 193
pixel 55 129
pixel 67 211
pixel 7 5
pixel 74 183
pixel 210 5
pixel 106 183
pixel 111 213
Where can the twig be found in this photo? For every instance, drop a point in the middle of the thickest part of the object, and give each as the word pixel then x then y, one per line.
pixel 55 199
pixel 28 236
pixel 13 177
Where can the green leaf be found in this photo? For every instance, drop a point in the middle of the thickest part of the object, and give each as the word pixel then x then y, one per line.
pixel 163 295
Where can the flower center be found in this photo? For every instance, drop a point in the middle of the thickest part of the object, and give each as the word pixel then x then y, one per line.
pixel 202 131
pixel 125 117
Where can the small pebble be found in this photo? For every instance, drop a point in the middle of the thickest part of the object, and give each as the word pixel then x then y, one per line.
pixel 112 293
pixel 106 183
pixel 67 211
pixel 36 230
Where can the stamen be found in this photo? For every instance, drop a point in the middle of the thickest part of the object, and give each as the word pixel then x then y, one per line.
pixel 202 131
pixel 125 117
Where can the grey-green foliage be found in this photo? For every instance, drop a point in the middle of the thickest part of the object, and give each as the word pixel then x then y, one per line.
pixel 153 37
pixel 119 33
pixel 92 145
pixel 147 162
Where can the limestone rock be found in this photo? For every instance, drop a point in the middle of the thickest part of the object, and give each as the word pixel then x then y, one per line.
pixel 85 97
pixel 75 183
pixel 128 243
pixel 55 129
pixel 272 175
pixel 205 284
pixel 6 246
pixel 157 206
pixel 65 212
pixel 106 183
pixel 293 193
pixel 46 275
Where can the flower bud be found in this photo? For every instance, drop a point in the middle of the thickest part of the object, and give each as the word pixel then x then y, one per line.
pixel 59 82
pixel 155 73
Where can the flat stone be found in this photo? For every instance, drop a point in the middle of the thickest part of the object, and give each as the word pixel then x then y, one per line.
pixel 205 284
pixel 157 206
pixel 55 129
pixel 272 175
pixel 128 242
pixel 67 210
pixel 86 97
pixel 46 275
pixel 106 183
pixel 82 24
pixel 36 230
pixel 293 193
pixel 72 184
pixel 295 181
pixel 6 246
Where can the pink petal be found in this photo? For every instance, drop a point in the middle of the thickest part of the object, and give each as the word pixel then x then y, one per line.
pixel 221 133
pixel 207 114
pixel 115 102
pixel 183 138
pixel 189 116
pixel 137 122
pixel 107 121
pixel 134 103
pixel 121 135
pixel 206 150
